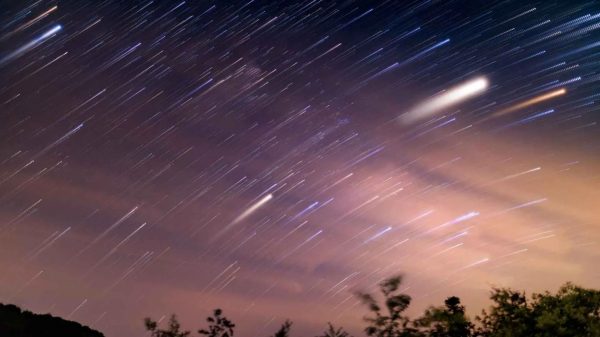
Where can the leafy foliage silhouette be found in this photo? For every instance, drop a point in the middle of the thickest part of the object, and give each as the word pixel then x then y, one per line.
pixel 391 322
pixel 572 312
pixel 284 330
pixel 173 328
pixel 331 331
pixel 219 326
pixel 447 321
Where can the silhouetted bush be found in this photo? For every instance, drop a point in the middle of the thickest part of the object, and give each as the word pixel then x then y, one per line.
pixel 571 312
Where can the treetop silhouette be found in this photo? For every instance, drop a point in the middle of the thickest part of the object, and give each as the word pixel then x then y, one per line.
pixel 572 312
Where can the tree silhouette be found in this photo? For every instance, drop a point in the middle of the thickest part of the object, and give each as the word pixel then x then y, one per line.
pixel 173 328
pixel 391 323
pixel 333 332
pixel 219 326
pixel 447 321
pixel 509 316
pixel 572 312
pixel 284 330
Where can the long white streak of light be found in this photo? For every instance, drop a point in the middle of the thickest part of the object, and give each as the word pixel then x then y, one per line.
pixel 252 208
pixel 30 45
pixel 29 23
pixel 245 214
pixel 449 98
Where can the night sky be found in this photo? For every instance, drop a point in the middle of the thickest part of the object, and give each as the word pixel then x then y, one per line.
pixel 270 157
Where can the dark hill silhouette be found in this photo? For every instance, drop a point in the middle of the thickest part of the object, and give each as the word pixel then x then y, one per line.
pixel 15 322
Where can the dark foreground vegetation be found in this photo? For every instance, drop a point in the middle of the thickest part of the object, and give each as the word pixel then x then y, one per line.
pixel 17 323
pixel 571 312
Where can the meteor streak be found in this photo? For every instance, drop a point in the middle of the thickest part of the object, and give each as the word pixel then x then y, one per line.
pixel 451 97
pixel 29 23
pixel 30 45
pixel 244 215
pixel 529 102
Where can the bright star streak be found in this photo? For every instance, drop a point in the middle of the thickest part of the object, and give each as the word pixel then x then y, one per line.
pixel 530 102
pixel 30 45
pixel 244 214
pixel 449 98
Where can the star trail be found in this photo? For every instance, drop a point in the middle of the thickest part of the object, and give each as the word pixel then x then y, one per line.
pixel 270 158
